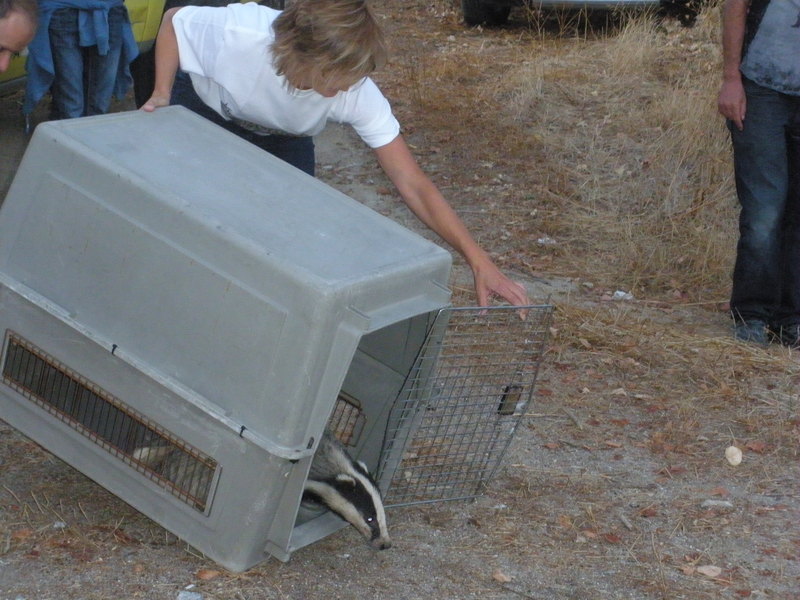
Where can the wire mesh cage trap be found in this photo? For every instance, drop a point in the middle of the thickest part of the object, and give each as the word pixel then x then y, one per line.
pixel 457 413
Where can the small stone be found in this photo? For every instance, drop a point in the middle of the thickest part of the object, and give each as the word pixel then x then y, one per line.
pixel 733 455
pixel 716 504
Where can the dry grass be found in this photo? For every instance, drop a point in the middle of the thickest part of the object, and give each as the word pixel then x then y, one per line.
pixel 648 157
pixel 609 143
pixel 619 135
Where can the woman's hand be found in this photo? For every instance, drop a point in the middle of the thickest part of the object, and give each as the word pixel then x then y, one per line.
pixel 490 281
pixel 155 101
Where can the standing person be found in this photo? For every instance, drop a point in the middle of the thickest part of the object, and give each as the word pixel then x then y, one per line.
pixel 18 20
pixel 276 77
pixel 760 97
pixel 82 53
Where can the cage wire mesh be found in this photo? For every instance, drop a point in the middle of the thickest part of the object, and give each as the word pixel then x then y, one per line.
pixel 60 391
pixel 462 401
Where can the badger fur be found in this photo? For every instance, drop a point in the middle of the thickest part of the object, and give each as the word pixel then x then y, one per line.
pixel 346 487
pixel 177 467
pixel 335 480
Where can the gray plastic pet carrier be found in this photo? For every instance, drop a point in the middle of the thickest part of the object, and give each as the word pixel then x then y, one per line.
pixel 166 285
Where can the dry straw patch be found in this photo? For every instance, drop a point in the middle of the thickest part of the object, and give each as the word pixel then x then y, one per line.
pixel 610 144
pixel 614 131
pixel 698 389
pixel 646 153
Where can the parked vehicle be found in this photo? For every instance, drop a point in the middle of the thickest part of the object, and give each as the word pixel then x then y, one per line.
pixel 495 12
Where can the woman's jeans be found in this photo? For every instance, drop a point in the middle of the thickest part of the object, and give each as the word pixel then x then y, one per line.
pixel 298 151
pixel 84 80
pixel 766 277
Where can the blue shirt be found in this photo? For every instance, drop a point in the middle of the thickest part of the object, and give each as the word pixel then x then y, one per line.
pixel 772 59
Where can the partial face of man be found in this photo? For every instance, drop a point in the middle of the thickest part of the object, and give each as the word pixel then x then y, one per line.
pixel 16 32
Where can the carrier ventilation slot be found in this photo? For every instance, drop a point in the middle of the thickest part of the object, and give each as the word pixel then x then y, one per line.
pixel 149 449
pixel 347 421
pixel 462 401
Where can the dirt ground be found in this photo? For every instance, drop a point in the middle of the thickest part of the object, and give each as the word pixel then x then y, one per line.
pixel 616 484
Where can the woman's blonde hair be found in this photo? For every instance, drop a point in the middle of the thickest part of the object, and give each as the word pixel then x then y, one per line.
pixel 323 42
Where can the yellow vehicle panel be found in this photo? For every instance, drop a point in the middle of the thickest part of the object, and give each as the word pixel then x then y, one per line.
pixel 145 18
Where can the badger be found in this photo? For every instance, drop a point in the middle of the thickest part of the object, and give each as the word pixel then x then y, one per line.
pixel 346 487
pixel 179 468
pixel 335 481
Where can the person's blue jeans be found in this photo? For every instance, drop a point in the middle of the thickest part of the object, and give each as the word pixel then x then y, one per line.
pixel 766 277
pixel 84 80
pixel 298 151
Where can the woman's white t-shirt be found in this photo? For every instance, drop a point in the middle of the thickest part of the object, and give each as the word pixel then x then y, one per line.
pixel 227 52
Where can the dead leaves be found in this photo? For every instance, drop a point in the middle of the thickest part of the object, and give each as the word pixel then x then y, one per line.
pixel 612 538
pixel 670 471
pixel 208 574
pixel 648 512
pixel 710 571
pixel 79 544
pixel 585 535
pixel 756 446
pixel 564 521
pixel 500 576
pixel 21 534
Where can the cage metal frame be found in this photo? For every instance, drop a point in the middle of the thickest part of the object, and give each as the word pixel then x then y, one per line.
pixel 462 401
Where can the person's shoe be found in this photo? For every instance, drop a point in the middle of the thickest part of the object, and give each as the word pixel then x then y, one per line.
pixel 789 335
pixel 752 330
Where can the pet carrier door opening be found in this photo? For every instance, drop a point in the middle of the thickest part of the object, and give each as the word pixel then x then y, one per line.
pixel 431 404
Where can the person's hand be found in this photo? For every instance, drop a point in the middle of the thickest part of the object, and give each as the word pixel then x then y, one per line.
pixel 155 101
pixel 490 281
pixel 732 103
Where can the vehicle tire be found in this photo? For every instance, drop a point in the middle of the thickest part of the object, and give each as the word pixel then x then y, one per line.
pixel 685 11
pixel 479 12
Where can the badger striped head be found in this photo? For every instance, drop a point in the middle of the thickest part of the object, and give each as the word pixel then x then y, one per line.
pixel 354 496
